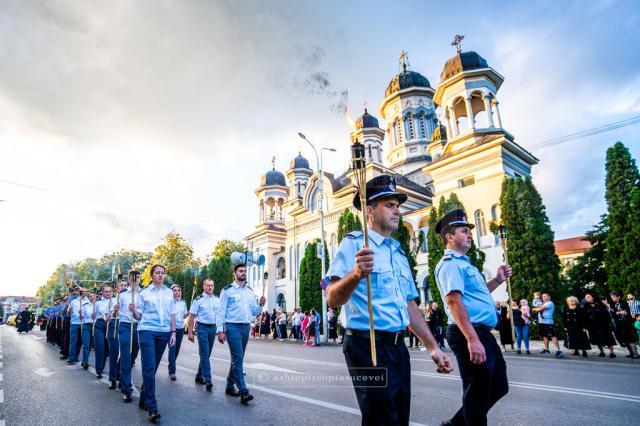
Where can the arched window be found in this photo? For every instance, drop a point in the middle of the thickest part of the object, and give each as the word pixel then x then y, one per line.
pixel 421 122
pixel 398 131
pixel 333 245
pixel 281 302
pixel 298 259
pixel 495 216
pixel 290 262
pixel 282 268
pixel 481 227
pixel 423 236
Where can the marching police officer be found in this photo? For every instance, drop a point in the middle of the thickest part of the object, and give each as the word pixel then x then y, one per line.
pixel 238 306
pixel 128 342
pixel 75 309
pixel 470 308
pixel 104 335
pixel 181 314
pixel 393 294
pixel 203 311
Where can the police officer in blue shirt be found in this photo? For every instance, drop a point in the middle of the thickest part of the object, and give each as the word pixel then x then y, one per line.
pixel 470 308
pixel 238 306
pixel 204 311
pixel 394 308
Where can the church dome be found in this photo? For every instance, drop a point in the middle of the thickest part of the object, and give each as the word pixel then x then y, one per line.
pixel 366 121
pixel 273 178
pixel 299 163
pixel 405 80
pixel 464 61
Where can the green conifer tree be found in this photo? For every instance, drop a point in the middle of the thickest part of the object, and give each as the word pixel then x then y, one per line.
pixel 621 257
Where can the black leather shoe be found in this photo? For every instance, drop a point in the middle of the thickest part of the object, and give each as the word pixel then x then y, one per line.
pixel 85 366
pixel 72 362
pixel 127 398
pixel 172 377
pixel 99 375
pixel 153 416
pixel 112 385
pixel 200 381
pixel 244 399
pixel 232 392
pixel 209 386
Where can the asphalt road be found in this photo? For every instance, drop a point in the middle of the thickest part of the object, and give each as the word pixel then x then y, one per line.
pixel 303 385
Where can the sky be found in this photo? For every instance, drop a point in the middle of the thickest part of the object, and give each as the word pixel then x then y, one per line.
pixel 121 121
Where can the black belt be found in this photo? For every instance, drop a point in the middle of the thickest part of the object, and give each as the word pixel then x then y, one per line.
pixel 205 324
pixel 394 338
pixel 474 325
pixel 239 323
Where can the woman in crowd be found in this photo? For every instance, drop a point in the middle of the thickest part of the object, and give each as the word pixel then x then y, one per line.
pixel 156 313
pixel 574 322
pixel 599 325
pixel 305 332
pixel 435 322
pixel 520 327
pixel 504 326
pixel 264 324
pixel 332 321
pixel 625 331
pixel 311 328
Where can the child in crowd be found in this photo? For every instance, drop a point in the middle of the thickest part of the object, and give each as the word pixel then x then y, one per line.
pixel 537 300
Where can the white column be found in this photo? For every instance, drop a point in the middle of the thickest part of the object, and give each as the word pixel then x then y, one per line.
pixel 472 123
pixel 454 120
pixel 498 119
pixel 488 110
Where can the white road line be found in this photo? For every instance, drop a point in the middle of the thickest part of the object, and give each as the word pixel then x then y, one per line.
pixel 1 377
pixel 1 396
pixel 324 404
pixel 0 364
pixel 2 422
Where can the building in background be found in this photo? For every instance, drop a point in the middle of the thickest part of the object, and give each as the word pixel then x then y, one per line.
pixel 436 141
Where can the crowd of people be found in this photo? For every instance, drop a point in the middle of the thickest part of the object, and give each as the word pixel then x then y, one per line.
pixel 297 326
pixel 592 321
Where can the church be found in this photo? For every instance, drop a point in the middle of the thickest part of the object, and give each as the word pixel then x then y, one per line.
pixel 434 140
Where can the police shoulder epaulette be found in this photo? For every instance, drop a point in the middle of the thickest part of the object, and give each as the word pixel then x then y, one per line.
pixel 354 234
pixel 448 256
pixel 198 297
pixel 227 287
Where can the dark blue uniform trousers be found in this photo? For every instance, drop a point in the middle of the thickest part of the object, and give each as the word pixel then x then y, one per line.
pixel 384 402
pixel 482 384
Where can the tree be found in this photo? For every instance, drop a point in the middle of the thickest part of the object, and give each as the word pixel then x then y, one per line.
pixel 310 276
pixel 589 273
pixel 531 252
pixel 436 246
pixel 621 182
pixel 348 223
pixel 226 247
pixel 403 236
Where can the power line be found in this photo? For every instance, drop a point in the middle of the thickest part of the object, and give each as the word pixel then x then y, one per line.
pixel 585 133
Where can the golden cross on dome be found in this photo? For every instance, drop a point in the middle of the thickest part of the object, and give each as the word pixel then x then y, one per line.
pixel 457 42
pixel 404 60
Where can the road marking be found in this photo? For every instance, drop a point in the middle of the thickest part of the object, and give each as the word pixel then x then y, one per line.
pixel 1 377
pixel 44 372
pixel 319 403
pixel 2 422
pixel 0 364
pixel 261 366
pixel 1 396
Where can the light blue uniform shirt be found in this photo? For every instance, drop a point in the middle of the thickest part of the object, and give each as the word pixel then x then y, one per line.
pixel 205 308
pixel 124 314
pixel 105 306
pixel 237 305
pixel 155 305
pixel 181 311
pixel 87 311
pixel 392 284
pixel 455 272
pixel 75 311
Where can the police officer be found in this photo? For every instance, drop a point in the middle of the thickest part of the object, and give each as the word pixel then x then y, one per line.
pixel 104 334
pixel 181 314
pixel 238 306
pixel 76 313
pixel 128 347
pixel 393 294
pixel 470 308
pixel 203 311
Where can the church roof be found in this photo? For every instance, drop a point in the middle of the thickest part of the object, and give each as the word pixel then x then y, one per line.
pixel 299 163
pixel 366 121
pixel 404 80
pixel 575 245
pixel 463 61
pixel 273 178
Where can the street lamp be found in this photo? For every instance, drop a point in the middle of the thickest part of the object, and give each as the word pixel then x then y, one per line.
pixel 325 329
